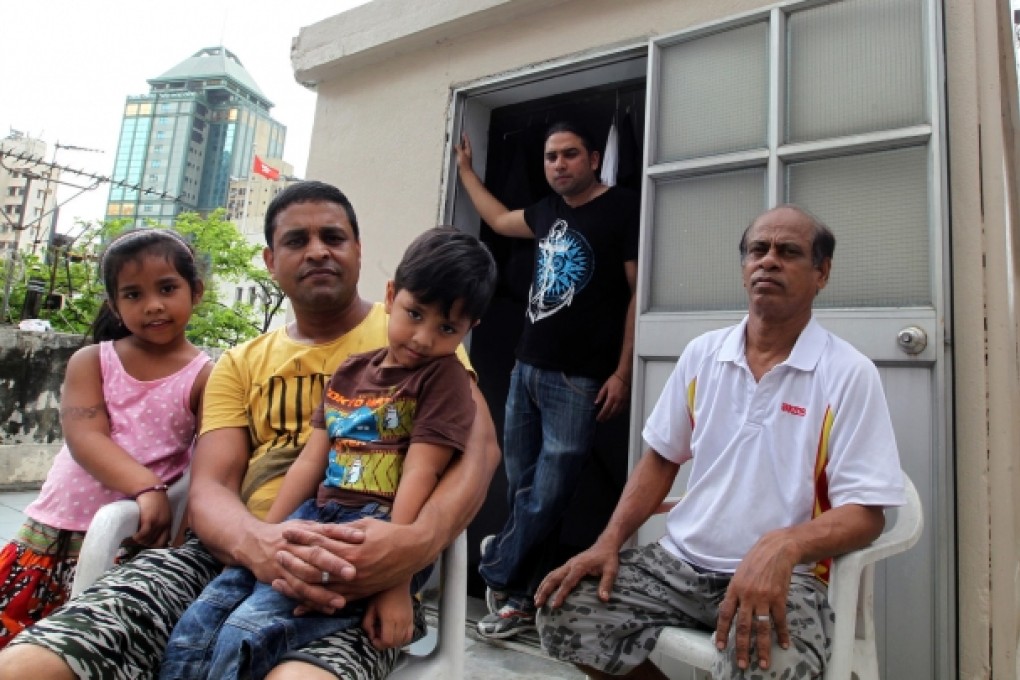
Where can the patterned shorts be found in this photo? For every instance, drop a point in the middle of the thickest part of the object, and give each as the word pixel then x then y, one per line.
pixel 118 628
pixel 654 590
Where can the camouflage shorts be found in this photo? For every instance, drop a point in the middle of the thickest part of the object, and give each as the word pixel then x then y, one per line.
pixel 118 628
pixel 654 590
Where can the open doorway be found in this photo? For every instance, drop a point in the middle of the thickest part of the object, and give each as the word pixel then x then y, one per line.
pixel 506 124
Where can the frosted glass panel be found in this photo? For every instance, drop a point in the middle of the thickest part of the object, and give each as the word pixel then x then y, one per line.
pixel 854 66
pixel 877 206
pixel 713 94
pixel 695 258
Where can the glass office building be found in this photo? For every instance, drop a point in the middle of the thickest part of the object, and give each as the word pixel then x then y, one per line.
pixel 200 125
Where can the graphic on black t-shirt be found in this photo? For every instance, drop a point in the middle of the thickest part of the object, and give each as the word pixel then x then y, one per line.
pixel 564 266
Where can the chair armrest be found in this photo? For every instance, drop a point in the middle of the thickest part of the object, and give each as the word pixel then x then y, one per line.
pixel 112 524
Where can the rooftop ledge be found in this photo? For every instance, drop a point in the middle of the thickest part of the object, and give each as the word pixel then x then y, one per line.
pixel 384 29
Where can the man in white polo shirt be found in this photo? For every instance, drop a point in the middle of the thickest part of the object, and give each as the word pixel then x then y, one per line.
pixel 793 460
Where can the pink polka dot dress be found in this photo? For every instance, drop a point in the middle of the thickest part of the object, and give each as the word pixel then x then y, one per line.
pixel 151 419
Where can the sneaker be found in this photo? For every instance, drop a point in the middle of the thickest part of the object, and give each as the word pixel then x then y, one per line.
pixel 507 622
pixel 494 599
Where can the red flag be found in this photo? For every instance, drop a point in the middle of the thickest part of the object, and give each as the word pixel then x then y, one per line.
pixel 264 169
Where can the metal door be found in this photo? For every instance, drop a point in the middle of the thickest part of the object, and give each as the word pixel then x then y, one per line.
pixel 834 106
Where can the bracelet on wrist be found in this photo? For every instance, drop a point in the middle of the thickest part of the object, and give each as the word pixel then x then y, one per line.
pixel 615 375
pixel 155 487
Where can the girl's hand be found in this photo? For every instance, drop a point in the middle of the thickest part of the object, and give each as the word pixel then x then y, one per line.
pixel 389 619
pixel 154 521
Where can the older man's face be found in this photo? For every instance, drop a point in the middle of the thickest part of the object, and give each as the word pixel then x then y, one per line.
pixel 780 278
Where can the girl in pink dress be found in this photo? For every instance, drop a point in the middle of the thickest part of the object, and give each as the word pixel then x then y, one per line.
pixel 129 410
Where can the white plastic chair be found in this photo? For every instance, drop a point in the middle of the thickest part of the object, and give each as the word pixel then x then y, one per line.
pixel 851 595
pixel 444 661
pixel 112 524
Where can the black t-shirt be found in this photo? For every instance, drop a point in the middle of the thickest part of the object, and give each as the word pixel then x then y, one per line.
pixel 577 304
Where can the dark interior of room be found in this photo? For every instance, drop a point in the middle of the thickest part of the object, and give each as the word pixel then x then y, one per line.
pixel 514 173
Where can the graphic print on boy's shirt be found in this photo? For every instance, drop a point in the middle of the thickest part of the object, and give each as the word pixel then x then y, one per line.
pixel 367 432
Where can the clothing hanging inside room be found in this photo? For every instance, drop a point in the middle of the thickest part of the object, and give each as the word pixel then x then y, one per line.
pixel 610 157
pixel 628 156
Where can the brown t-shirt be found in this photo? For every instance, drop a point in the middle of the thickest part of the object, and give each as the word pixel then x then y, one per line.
pixel 372 414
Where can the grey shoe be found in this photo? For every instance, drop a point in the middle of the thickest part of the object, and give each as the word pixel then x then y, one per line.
pixel 494 599
pixel 508 621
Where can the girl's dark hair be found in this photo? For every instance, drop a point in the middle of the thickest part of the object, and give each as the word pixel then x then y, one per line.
pixel 444 265
pixel 132 246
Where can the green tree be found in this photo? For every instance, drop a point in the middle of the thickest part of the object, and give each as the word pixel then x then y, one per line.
pixel 229 257
pixel 72 271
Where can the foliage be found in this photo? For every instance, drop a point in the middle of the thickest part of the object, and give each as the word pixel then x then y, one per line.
pixel 71 271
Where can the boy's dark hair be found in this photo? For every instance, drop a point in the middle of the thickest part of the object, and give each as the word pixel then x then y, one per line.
pixel 444 265
pixel 303 192
pixel 132 246
pixel 573 128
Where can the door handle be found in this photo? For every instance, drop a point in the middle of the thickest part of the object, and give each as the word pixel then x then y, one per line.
pixel 912 339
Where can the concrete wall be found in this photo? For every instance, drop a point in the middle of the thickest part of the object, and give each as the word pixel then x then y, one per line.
pixel 32 367
pixel 384 73
pixel 402 90
pixel 31 373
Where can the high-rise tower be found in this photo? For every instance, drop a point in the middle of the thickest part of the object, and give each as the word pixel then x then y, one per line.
pixel 200 126
pixel 27 193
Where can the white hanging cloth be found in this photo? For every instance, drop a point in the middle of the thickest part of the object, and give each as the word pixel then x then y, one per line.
pixel 611 157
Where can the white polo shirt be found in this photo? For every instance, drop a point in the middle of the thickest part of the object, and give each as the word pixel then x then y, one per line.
pixel 813 434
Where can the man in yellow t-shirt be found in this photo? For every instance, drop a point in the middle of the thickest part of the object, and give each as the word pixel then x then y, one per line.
pixel 258 404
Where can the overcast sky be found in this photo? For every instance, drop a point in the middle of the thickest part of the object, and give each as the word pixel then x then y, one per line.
pixel 68 65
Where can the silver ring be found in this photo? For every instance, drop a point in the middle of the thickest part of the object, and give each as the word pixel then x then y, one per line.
pixel 324 578
pixel 764 618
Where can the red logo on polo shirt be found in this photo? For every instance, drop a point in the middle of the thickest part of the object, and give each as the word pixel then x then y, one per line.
pixel 794 410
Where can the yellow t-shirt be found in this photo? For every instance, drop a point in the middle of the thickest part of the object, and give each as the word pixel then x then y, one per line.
pixel 271 385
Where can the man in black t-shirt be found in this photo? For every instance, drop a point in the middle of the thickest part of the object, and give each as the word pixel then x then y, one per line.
pixel 574 358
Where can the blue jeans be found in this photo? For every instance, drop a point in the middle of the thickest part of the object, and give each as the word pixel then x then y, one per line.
pixel 547 439
pixel 240 628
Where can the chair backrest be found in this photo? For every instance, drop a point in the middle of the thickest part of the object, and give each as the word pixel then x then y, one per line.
pixel 851 595
pixel 112 524
pixel 852 591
